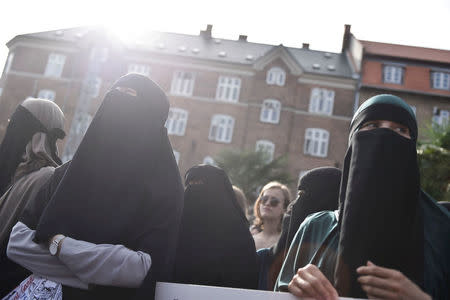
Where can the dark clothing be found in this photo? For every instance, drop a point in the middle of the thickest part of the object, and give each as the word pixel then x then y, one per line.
pixel 215 246
pixel 123 185
pixel 319 231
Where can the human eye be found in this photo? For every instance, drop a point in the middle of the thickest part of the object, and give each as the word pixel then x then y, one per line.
pixel 370 125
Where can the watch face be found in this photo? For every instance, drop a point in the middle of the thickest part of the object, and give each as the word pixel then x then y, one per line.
pixel 53 247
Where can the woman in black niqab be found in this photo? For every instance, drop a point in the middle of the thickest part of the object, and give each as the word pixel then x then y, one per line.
pixel 123 185
pixel 215 246
pixel 380 218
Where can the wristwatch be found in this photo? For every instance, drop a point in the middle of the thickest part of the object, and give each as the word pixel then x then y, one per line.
pixel 55 244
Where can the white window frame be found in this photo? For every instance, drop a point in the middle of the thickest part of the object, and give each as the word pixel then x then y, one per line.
pixel 270 111
pixel 9 62
pixel 392 74
pixel 440 80
pixel 276 76
pixel 228 88
pixel 316 142
pixel 442 118
pixel 139 69
pixel 208 160
pixel 47 94
pixel 181 85
pixel 267 147
pixel 221 129
pixel 176 154
pixel 55 65
pixel 176 121
pixel 321 101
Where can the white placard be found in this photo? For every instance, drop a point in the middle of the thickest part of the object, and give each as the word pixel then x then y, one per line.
pixel 176 291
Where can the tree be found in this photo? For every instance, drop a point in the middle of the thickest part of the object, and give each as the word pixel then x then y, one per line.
pixel 434 161
pixel 250 170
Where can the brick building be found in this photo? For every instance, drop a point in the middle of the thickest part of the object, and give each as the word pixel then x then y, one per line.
pixel 421 76
pixel 224 94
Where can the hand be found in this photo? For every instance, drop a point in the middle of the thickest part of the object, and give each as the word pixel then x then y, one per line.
pixel 384 283
pixel 310 282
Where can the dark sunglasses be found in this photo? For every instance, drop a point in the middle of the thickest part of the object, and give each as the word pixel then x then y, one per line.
pixel 271 201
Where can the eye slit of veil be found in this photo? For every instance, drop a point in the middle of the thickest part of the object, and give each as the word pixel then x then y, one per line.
pixel 127 90
pixel 196 182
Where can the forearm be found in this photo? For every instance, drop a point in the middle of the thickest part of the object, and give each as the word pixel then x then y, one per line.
pixel 110 265
pixel 36 258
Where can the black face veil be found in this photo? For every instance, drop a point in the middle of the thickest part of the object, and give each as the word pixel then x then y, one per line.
pixel 215 245
pixel 379 215
pixel 123 185
pixel 21 128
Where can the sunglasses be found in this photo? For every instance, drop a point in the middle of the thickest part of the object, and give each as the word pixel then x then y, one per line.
pixel 270 200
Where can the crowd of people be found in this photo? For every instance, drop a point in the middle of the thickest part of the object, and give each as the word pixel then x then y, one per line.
pixel 116 219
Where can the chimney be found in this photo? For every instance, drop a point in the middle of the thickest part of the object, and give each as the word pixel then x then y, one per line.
pixel 305 46
pixel 242 38
pixel 346 38
pixel 207 33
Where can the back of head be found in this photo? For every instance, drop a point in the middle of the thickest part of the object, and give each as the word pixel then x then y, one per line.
pixel 241 199
pixel 46 111
pixel 215 246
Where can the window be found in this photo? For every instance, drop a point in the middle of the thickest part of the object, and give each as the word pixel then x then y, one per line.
pixel 47 94
pixel 208 160
pixel 440 116
pixel 392 74
pixel 177 156
pixel 221 129
pixel 228 88
pixel 316 142
pixel 55 65
pixel 440 80
pixel 100 54
pixel 182 83
pixel 9 62
pixel 139 69
pixel 276 76
pixel 270 111
pixel 266 146
pixel 321 101
pixel 176 121
pixel 94 85
pixel 83 120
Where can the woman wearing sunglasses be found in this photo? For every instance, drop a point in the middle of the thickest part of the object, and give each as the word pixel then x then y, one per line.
pixel 269 208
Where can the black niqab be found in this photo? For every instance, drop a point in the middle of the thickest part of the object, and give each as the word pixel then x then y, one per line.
pixel 21 128
pixel 215 246
pixel 123 185
pixel 379 218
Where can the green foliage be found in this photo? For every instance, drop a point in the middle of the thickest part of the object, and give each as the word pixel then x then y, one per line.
pixel 434 162
pixel 250 170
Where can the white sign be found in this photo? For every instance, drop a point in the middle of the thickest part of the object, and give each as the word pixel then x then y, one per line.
pixel 176 291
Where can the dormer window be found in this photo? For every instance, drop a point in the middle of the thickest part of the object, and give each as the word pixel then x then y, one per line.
pixel 276 76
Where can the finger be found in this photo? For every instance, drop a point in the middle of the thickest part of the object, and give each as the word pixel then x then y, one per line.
pixel 377 293
pixel 325 282
pixel 294 289
pixel 318 288
pixel 378 282
pixel 378 271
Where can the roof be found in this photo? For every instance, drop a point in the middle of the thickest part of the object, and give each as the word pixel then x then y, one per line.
pixel 409 52
pixel 214 49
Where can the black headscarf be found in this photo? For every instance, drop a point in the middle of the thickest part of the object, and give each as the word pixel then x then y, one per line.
pixel 379 215
pixel 123 185
pixel 215 246
pixel 21 128
pixel 318 190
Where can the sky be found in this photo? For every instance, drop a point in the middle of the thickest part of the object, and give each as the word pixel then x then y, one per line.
pixel 288 22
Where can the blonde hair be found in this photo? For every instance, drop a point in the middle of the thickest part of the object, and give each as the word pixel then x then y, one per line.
pixel 258 222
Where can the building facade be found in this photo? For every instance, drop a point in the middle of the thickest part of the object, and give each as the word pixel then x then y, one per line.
pixel 420 76
pixel 224 94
